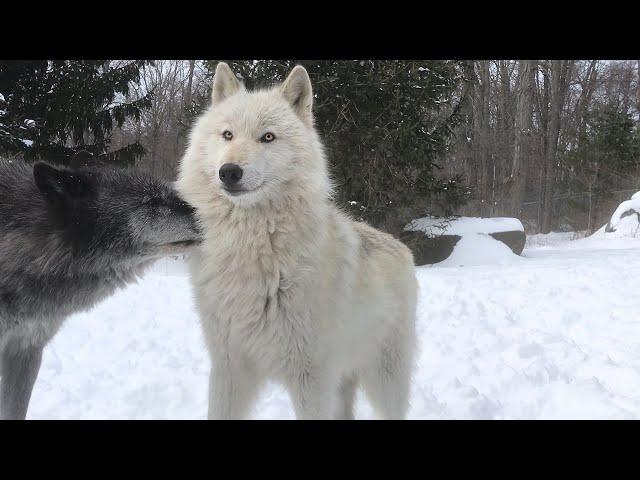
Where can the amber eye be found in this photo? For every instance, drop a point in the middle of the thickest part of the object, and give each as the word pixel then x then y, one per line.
pixel 268 137
pixel 227 135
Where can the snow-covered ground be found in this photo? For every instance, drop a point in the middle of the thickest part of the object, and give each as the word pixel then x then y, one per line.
pixel 551 240
pixel 554 334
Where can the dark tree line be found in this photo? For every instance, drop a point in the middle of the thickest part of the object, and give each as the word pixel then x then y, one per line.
pixel 554 143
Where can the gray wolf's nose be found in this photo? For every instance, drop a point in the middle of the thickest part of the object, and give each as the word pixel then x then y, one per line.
pixel 230 173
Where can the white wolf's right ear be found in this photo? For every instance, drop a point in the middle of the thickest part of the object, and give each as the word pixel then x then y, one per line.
pixel 298 92
pixel 225 84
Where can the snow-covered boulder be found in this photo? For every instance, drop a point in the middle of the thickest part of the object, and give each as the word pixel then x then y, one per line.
pixel 434 239
pixel 625 221
pixel 479 249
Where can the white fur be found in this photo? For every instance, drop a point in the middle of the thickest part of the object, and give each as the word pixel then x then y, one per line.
pixel 288 288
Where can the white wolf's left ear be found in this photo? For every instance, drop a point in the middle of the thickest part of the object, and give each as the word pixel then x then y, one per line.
pixel 298 92
pixel 225 83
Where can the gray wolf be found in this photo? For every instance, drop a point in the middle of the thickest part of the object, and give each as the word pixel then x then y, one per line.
pixel 68 239
pixel 288 288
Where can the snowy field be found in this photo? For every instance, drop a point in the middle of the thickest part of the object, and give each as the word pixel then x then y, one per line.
pixel 554 334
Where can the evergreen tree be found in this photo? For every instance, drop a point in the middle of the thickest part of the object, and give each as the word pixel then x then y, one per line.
pixel 608 150
pixel 606 157
pixel 52 109
pixel 385 124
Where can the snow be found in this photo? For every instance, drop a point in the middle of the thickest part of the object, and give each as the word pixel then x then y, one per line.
pixel 552 335
pixel 543 240
pixel 479 249
pixel 464 225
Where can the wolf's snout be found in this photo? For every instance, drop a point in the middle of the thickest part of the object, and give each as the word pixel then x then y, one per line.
pixel 230 174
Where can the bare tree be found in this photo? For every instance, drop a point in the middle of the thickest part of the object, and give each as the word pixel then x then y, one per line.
pixel 558 72
pixel 481 122
pixel 516 181
pixel 161 129
pixel 638 89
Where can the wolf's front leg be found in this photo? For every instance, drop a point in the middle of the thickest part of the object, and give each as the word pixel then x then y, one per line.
pixel 19 370
pixel 233 386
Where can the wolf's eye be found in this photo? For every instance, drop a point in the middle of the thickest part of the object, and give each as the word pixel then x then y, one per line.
pixel 268 137
pixel 227 135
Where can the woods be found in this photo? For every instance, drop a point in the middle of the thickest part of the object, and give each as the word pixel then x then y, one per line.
pixel 542 138
pixel 554 143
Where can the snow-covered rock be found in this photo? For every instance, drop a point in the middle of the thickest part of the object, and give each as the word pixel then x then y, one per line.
pixel 625 221
pixel 479 249
pixel 473 240
pixel 464 225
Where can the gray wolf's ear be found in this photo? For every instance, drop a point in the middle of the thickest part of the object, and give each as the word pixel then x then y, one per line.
pixel 225 84
pixel 60 185
pixel 298 92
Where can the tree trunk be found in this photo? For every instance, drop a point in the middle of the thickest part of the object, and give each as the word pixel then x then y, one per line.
pixel 468 135
pixel 481 135
pixel 189 92
pixel 504 138
pixel 584 101
pixel 638 92
pixel 516 182
pixel 556 96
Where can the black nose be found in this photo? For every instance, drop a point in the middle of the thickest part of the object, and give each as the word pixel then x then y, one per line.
pixel 230 173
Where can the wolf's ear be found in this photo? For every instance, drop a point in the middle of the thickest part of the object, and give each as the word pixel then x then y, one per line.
pixel 225 83
pixel 298 92
pixel 59 185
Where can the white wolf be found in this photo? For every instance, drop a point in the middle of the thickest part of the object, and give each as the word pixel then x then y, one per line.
pixel 288 288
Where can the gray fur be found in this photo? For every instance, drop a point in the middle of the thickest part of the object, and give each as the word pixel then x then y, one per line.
pixel 69 239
